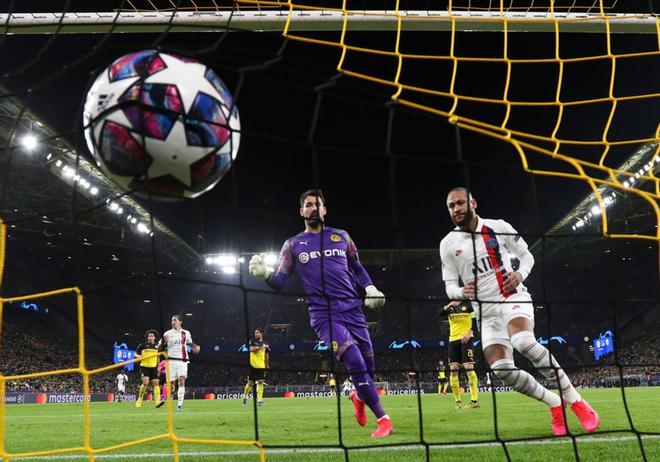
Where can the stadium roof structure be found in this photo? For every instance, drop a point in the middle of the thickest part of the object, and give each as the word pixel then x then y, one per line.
pixel 38 194
pixel 625 210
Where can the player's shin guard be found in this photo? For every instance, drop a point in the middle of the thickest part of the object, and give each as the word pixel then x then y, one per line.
pixel 247 390
pixel 525 343
pixel 522 382
pixel 156 392
pixel 474 385
pixel 260 391
pixel 455 387
pixel 364 385
pixel 143 387
pixel 180 394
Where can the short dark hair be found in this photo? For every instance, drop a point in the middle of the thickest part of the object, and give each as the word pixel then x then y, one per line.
pixel 467 191
pixel 259 329
pixel 312 192
pixel 178 316
pixel 151 331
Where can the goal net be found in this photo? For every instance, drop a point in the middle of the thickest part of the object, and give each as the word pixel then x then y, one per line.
pixel 546 111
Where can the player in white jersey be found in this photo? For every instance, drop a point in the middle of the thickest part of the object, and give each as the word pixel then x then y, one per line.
pixel 347 387
pixel 176 342
pixel 122 378
pixel 478 252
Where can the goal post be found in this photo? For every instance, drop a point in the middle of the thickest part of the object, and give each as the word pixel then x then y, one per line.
pixel 301 20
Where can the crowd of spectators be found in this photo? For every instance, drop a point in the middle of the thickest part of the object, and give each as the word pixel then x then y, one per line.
pixel 31 346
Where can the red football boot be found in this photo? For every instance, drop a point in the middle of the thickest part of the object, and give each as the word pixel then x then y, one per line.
pixel 360 414
pixel 558 421
pixel 587 416
pixel 384 427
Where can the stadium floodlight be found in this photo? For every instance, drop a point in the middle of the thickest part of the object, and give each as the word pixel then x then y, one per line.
pixel 270 259
pixel 228 269
pixel 94 191
pixel 226 260
pixel 595 210
pixel 142 228
pixel 29 142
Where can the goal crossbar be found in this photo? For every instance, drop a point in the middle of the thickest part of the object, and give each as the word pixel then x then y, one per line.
pixel 320 20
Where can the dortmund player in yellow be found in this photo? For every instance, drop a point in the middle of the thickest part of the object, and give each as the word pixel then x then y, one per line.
pixel 443 383
pixel 462 326
pixel 332 383
pixel 148 366
pixel 259 351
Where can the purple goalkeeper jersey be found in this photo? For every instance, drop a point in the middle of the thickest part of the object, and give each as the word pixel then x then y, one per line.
pixel 336 258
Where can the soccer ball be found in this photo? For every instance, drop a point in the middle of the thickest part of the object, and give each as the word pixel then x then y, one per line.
pixel 161 123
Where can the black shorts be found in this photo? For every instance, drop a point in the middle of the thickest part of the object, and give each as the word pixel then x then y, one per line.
pixel 461 353
pixel 162 378
pixel 150 372
pixel 443 380
pixel 257 374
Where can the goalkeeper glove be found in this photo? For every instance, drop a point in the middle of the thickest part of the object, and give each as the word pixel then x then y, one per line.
pixel 257 267
pixel 375 298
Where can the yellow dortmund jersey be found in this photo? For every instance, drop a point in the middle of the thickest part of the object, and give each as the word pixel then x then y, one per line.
pixel 441 375
pixel 460 321
pixel 145 349
pixel 258 358
pixel 332 382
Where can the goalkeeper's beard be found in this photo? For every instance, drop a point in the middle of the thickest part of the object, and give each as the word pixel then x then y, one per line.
pixel 314 222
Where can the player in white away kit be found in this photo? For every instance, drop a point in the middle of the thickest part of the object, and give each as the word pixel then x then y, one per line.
pixel 479 252
pixel 175 341
pixel 122 378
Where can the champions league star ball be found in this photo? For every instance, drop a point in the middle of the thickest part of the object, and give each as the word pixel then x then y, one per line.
pixel 161 123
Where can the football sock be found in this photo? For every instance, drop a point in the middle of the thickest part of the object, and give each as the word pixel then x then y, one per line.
pixel 364 384
pixel 474 385
pixel 525 343
pixel 455 386
pixel 522 382
pixel 181 393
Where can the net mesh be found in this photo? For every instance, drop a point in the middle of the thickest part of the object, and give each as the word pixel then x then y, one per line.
pixel 424 71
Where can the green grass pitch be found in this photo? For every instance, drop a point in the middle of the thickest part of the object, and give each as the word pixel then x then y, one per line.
pixel 313 421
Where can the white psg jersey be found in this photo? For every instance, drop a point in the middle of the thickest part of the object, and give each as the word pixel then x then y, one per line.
pixel 121 380
pixel 176 341
pixel 484 255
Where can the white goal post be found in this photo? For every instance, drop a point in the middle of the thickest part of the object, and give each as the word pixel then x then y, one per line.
pixel 322 20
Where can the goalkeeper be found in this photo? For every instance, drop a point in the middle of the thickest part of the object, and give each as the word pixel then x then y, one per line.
pixel 327 262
